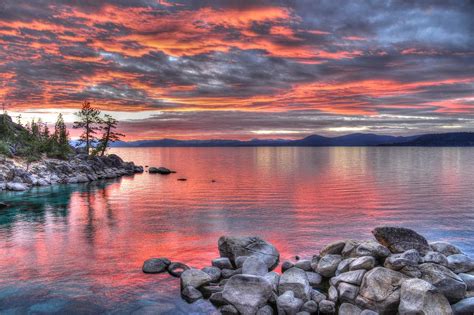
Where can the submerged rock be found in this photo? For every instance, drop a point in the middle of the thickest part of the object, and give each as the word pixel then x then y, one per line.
pixel 398 239
pixel 233 247
pixel 191 294
pixel 159 170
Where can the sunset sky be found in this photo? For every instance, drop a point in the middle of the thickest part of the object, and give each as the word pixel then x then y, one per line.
pixel 243 69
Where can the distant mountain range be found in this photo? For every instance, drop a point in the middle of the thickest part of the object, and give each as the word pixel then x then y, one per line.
pixel 456 139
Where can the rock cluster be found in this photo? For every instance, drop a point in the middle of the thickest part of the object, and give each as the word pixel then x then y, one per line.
pixel 79 169
pixel 400 273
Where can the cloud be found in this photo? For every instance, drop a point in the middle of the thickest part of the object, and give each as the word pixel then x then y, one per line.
pixel 243 63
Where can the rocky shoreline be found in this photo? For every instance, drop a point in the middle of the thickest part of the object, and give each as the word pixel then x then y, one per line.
pixel 15 175
pixel 397 273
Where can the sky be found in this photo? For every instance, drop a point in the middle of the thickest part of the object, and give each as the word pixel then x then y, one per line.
pixel 242 69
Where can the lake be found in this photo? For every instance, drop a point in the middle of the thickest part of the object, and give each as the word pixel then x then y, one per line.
pixel 80 248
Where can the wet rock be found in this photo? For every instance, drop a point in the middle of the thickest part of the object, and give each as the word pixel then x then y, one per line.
pixel 464 307
pixel 191 294
pixel 194 278
pixel 228 310
pixel 213 272
pixel 217 299
pixel 295 280
pixel 468 280
pixel 446 281
pixel 176 269
pixel 266 310
pixel 380 290
pixel 445 248
pixel 399 240
pixel 328 264
pixel 156 265
pixel 247 293
pixel 349 309
pixel 311 307
pixel 327 307
pixel 286 265
pixel 273 278
pixel 334 248
pixel 364 262
pixel 435 257
pixel 159 170
pixel 304 264
pixel 371 248
pixel 353 277
pixel 222 263
pixel 460 263
pixel 253 265
pixel 233 247
pixel 420 297
pixel 288 304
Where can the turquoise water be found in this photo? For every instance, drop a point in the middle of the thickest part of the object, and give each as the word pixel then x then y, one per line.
pixel 79 248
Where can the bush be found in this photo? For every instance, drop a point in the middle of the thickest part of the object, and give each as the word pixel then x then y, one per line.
pixel 5 149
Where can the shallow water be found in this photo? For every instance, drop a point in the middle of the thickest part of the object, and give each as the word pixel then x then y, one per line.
pixel 80 248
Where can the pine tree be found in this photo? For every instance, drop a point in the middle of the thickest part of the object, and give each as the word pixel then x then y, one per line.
pixel 109 134
pixel 89 120
pixel 60 138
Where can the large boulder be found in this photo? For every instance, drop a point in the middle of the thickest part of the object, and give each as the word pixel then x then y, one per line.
pixel 445 248
pixel 380 290
pixel 460 263
pixel 399 240
pixel 247 293
pixel 420 297
pixel 194 278
pixel 16 186
pixel 233 247
pixel 464 307
pixel 295 280
pixel 327 266
pixel 288 304
pixel 446 281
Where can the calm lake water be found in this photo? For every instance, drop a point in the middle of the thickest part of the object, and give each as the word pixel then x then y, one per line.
pixel 80 248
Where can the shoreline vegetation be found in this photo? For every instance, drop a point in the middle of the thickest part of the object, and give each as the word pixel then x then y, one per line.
pixel 31 155
pixel 397 273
